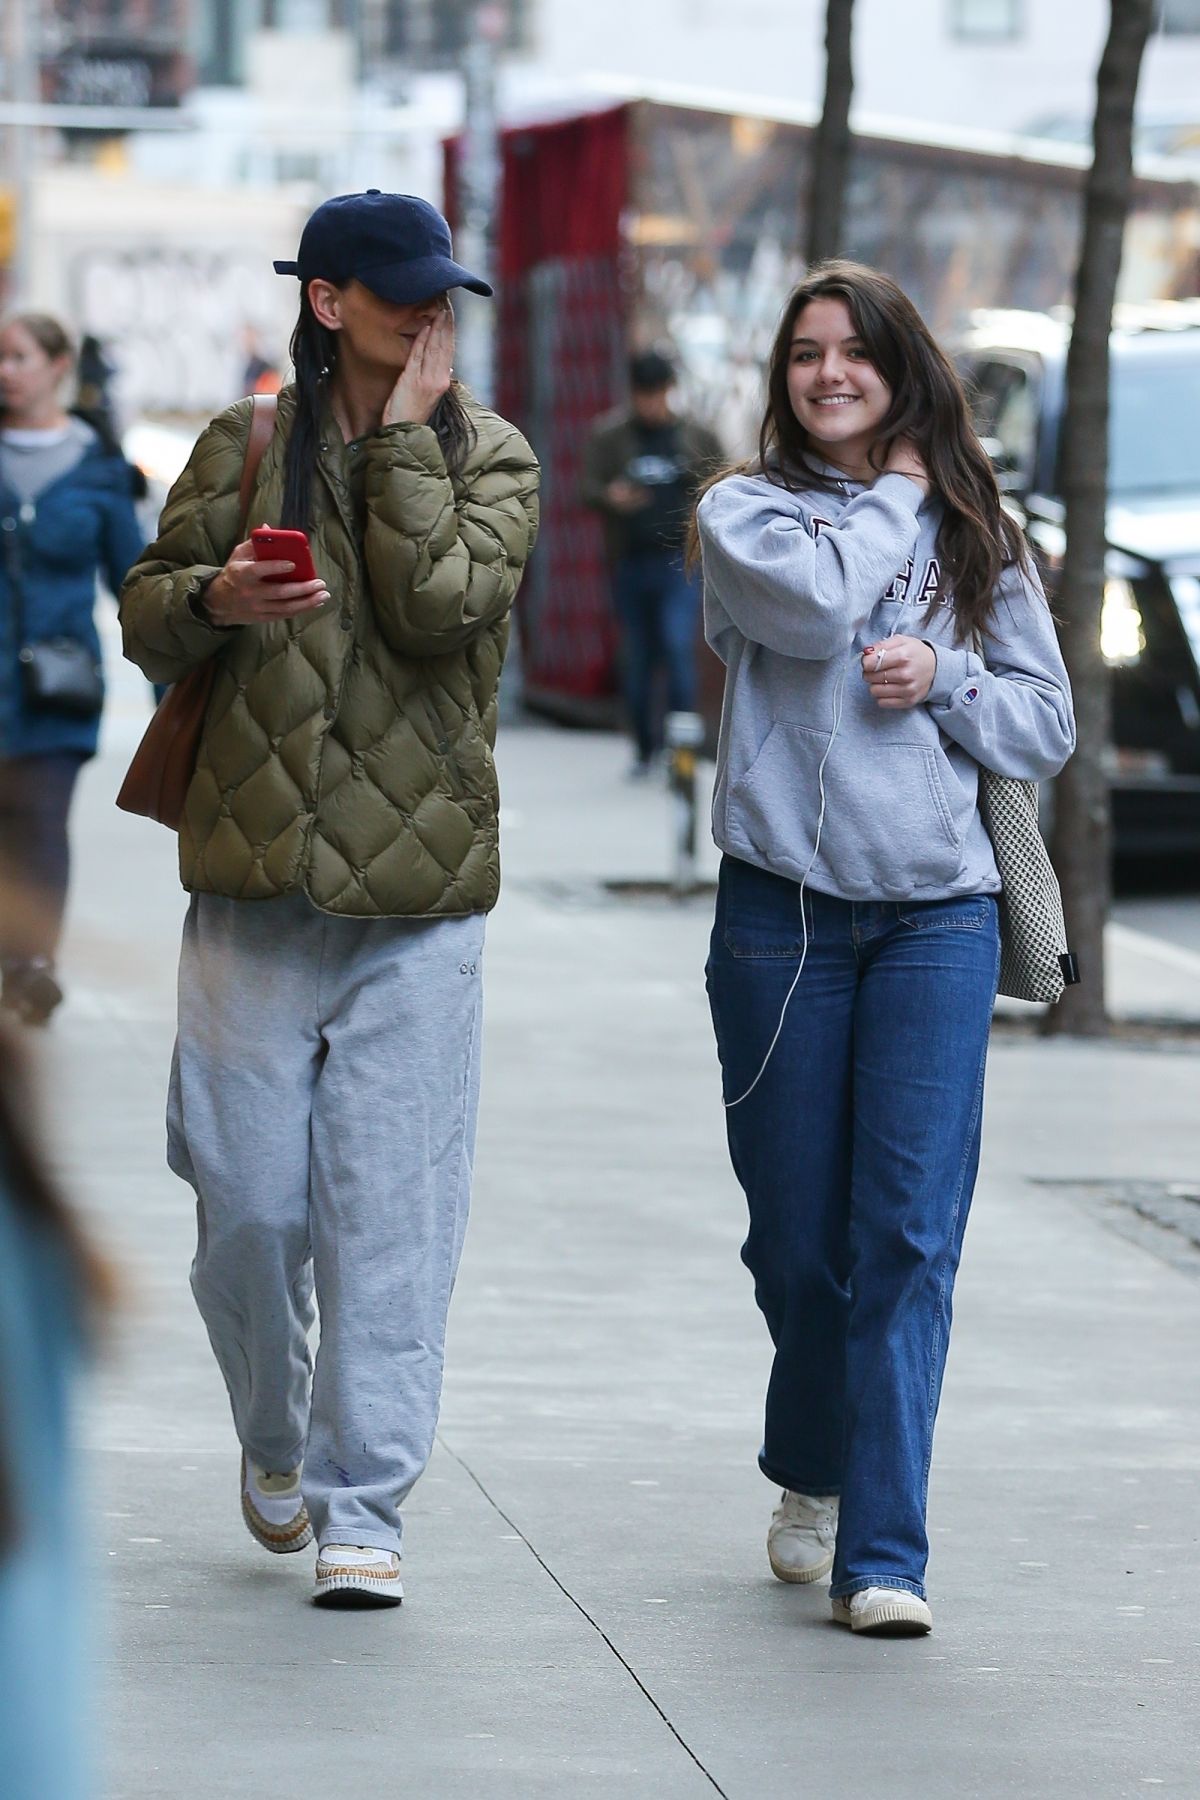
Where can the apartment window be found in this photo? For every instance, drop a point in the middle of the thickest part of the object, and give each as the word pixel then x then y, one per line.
pixel 1180 18
pixel 432 34
pixel 395 36
pixel 987 21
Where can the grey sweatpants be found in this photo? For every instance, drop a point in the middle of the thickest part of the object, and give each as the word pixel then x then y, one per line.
pixel 323 1101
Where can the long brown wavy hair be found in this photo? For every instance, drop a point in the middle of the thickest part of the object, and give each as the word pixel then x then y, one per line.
pixel 977 539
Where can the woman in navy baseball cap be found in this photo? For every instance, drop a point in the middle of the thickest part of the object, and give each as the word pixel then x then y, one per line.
pixel 375 272
pixel 340 841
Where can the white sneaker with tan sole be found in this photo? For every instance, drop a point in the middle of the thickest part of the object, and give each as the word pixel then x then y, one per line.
pixel 801 1536
pixel 273 1508
pixel 884 1612
pixel 357 1575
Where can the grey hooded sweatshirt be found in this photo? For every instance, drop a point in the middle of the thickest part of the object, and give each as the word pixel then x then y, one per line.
pixel 795 587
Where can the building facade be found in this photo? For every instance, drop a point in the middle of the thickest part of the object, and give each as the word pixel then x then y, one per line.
pixel 115 53
pixel 1006 65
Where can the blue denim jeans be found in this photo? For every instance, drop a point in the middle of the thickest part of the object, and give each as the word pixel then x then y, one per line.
pixel 857 1151
pixel 658 605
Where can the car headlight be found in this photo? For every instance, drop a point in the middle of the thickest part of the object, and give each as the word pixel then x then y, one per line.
pixel 1122 638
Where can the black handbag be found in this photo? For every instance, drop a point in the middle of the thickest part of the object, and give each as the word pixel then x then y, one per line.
pixel 58 674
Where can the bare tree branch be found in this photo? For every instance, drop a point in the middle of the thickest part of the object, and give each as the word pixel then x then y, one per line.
pixel 1082 838
pixel 831 140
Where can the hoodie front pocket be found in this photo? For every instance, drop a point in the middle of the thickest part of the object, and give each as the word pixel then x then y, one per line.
pixel 887 829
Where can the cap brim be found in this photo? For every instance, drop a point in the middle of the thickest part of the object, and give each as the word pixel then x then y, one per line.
pixel 406 283
pixel 287 268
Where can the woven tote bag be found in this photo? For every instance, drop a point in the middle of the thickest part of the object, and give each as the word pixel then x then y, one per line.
pixel 1035 963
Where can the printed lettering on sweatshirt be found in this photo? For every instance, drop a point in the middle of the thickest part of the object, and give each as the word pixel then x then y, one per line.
pixel 902 581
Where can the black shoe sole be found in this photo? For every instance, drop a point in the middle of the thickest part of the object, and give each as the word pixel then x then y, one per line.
pixel 355 1600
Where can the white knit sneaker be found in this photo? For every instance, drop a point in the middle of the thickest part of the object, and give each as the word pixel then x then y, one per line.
pixel 357 1575
pixel 885 1612
pixel 273 1508
pixel 801 1536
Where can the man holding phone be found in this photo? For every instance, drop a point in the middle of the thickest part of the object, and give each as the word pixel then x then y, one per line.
pixel 339 840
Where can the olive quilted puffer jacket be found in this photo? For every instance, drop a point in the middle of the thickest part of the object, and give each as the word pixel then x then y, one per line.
pixel 348 751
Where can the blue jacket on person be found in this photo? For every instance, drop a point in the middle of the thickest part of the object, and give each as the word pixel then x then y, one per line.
pixel 79 525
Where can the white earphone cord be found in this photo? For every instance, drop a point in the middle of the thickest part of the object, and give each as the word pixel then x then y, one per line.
pixel 837 719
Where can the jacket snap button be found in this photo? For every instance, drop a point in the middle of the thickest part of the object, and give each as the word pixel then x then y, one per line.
pixel 346 621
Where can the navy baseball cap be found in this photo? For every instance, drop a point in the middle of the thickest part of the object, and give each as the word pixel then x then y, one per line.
pixel 395 244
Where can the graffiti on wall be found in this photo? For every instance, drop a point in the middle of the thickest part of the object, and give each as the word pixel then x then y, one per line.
pixel 175 323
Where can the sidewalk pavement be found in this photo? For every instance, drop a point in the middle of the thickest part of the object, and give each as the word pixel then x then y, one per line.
pixel 589 1608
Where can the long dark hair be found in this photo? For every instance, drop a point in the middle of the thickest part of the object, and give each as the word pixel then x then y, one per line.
pixel 977 539
pixel 314 351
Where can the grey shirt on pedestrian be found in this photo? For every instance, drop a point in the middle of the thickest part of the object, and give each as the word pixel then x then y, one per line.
pixel 30 461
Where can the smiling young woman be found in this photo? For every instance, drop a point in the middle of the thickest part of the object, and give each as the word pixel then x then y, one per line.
pixel 884 638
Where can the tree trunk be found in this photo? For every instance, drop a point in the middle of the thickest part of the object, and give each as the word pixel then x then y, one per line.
pixel 831 140
pixel 1082 836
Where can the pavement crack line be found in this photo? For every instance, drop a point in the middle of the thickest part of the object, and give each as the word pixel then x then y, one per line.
pixel 582 1610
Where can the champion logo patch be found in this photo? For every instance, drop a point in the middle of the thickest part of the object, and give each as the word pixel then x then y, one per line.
pixel 969 696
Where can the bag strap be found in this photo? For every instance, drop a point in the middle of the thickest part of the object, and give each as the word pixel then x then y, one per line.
pixel 12 558
pixel 264 409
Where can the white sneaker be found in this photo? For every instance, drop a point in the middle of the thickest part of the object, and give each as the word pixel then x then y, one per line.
pixel 801 1536
pixel 357 1575
pixel 887 1612
pixel 273 1508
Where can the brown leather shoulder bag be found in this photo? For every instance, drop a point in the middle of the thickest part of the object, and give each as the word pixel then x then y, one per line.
pixel 164 762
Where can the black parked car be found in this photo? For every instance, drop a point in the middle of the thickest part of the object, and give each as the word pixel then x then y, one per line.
pixel 1015 365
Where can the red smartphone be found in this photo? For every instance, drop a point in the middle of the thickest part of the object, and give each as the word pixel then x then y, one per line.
pixel 278 545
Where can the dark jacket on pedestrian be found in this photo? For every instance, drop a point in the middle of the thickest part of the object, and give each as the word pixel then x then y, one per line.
pixel 347 752
pixel 670 461
pixel 53 545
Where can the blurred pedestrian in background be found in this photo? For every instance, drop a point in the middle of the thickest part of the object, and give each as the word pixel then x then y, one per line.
pixel 341 845
pixel 260 374
pixel 643 466
pixel 52 1293
pixel 66 515
pixel 884 637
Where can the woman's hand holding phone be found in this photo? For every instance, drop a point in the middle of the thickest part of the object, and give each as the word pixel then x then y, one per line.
pixel 250 591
